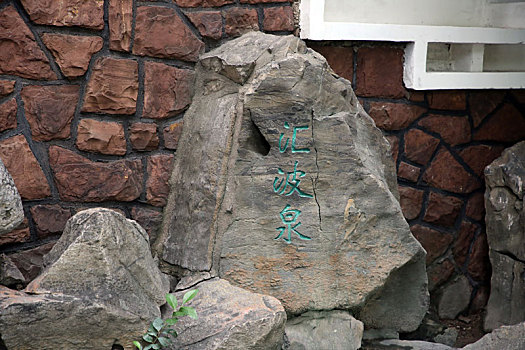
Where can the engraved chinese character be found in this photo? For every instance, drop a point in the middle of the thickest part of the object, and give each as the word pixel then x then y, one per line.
pixel 282 148
pixel 290 182
pixel 289 217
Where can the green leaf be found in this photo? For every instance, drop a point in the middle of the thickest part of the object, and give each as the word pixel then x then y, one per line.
pixel 152 346
pixel 148 338
pixel 172 301
pixel 164 341
pixel 171 321
pixel 153 333
pixel 178 314
pixel 172 332
pixel 151 329
pixel 189 295
pixel 189 311
pixel 158 323
pixel 137 344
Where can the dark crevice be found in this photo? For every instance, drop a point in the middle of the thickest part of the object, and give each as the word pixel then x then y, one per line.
pixel 314 184
pixel 510 255
pixel 255 140
pixel 2 344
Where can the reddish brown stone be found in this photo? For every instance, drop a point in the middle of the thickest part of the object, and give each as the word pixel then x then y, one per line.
pixel 20 234
pixel 160 32
pixel 462 243
pixel 8 115
pixel 149 219
pixel 439 273
pixel 209 23
pixel 113 87
pixel 120 16
pixel 479 264
pixel 203 3
pixel 79 179
pixel 72 53
pixel 278 19
pixel 442 210
pixel 50 109
pixel 101 137
pixel 24 168
pixel 420 146
pixel 240 20
pixel 143 136
pixel 519 95
pixel 476 206
pixel 449 100
pixel 82 13
pixel 416 96
pixel 482 103
pixel 49 219
pixel 453 130
pixel 394 116
pixel 340 59
pixel 6 87
pixel 380 72
pixel 159 171
pixel 435 243
pixel 506 125
pixel 172 134
pixel 479 156
pixel 447 174
pixel 408 172
pixel 167 90
pixel 19 53
pixel 411 200
pixel 262 1
pixel 30 262
pixel 394 146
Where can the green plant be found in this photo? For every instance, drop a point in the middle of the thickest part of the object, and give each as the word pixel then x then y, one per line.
pixel 159 331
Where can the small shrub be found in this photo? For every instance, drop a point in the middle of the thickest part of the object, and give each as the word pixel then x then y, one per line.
pixel 160 331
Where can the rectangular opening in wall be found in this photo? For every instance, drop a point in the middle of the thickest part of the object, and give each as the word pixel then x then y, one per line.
pixel 451 57
pixel 504 58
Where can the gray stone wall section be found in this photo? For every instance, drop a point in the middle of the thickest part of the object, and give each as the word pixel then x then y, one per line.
pixel 11 211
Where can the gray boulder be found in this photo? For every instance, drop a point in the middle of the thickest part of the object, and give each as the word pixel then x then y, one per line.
pixel 334 330
pixel 11 211
pixel 231 318
pixel 393 344
pixel 283 185
pixel 505 219
pixel 454 298
pixel 503 338
pixel 100 287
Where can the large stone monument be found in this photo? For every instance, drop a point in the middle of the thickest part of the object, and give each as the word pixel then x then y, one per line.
pixel 505 219
pixel 283 186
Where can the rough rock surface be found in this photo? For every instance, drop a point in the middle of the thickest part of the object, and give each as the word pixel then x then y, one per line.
pixel 278 203
pixel 72 52
pixel 231 318
pixel 6 87
pixel 10 275
pixel 90 295
pixel 83 13
pixel 505 218
pixel 78 178
pixel 19 52
pixel 8 112
pixel 30 262
pixel 24 168
pixel 336 330
pixel 455 298
pixel 101 137
pixel 50 109
pixel 11 211
pixel 503 338
pixel 113 87
pixel 120 19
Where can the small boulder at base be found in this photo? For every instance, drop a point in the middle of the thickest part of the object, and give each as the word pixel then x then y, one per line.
pixel 11 211
pixel 231 318
pixel 336 330
pixel 503 338
pixel 100 286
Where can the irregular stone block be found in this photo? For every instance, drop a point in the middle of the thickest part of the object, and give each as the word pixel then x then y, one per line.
pixel 120 17
pixel 113 87
pixel 203 3
pixel 101 137
pixel 157 188
pixel 238 21
pixel 442 210
pixel 6 87
pixel 453 130
pixel 412 345
pixel 10 275
pixel 90 295
pixel 24 168
pixel 72 52
pixel 503 338
pixel 265 193
pixel 394 116
pixel 143 136
pixel 380 72
pixel 505 125
pixel 83 13
pixel 79 179
pixel 11 211
pixel 20 234
pixel 449 100
pixel 231 318
pixel 149 219
pixel 340 59
pixel 49 110
pixel 19 52
pixel 479 156
pixel 30 262
pixel 420 146
pixel 172 134
pixel 454 298
pixel 49 219
pixel 208 23
pixel 481 103
pixel 336 330
pixel 160 32
pixel 411 200
pixel 278 18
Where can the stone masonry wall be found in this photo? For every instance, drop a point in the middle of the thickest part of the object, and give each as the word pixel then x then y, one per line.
pixel 92 100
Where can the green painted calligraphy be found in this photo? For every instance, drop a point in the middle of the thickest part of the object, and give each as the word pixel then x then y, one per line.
pixel 290 182
pixel 282 148
pixel 289 217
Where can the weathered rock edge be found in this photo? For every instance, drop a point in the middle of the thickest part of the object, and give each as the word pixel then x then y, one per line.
pixel 361 248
